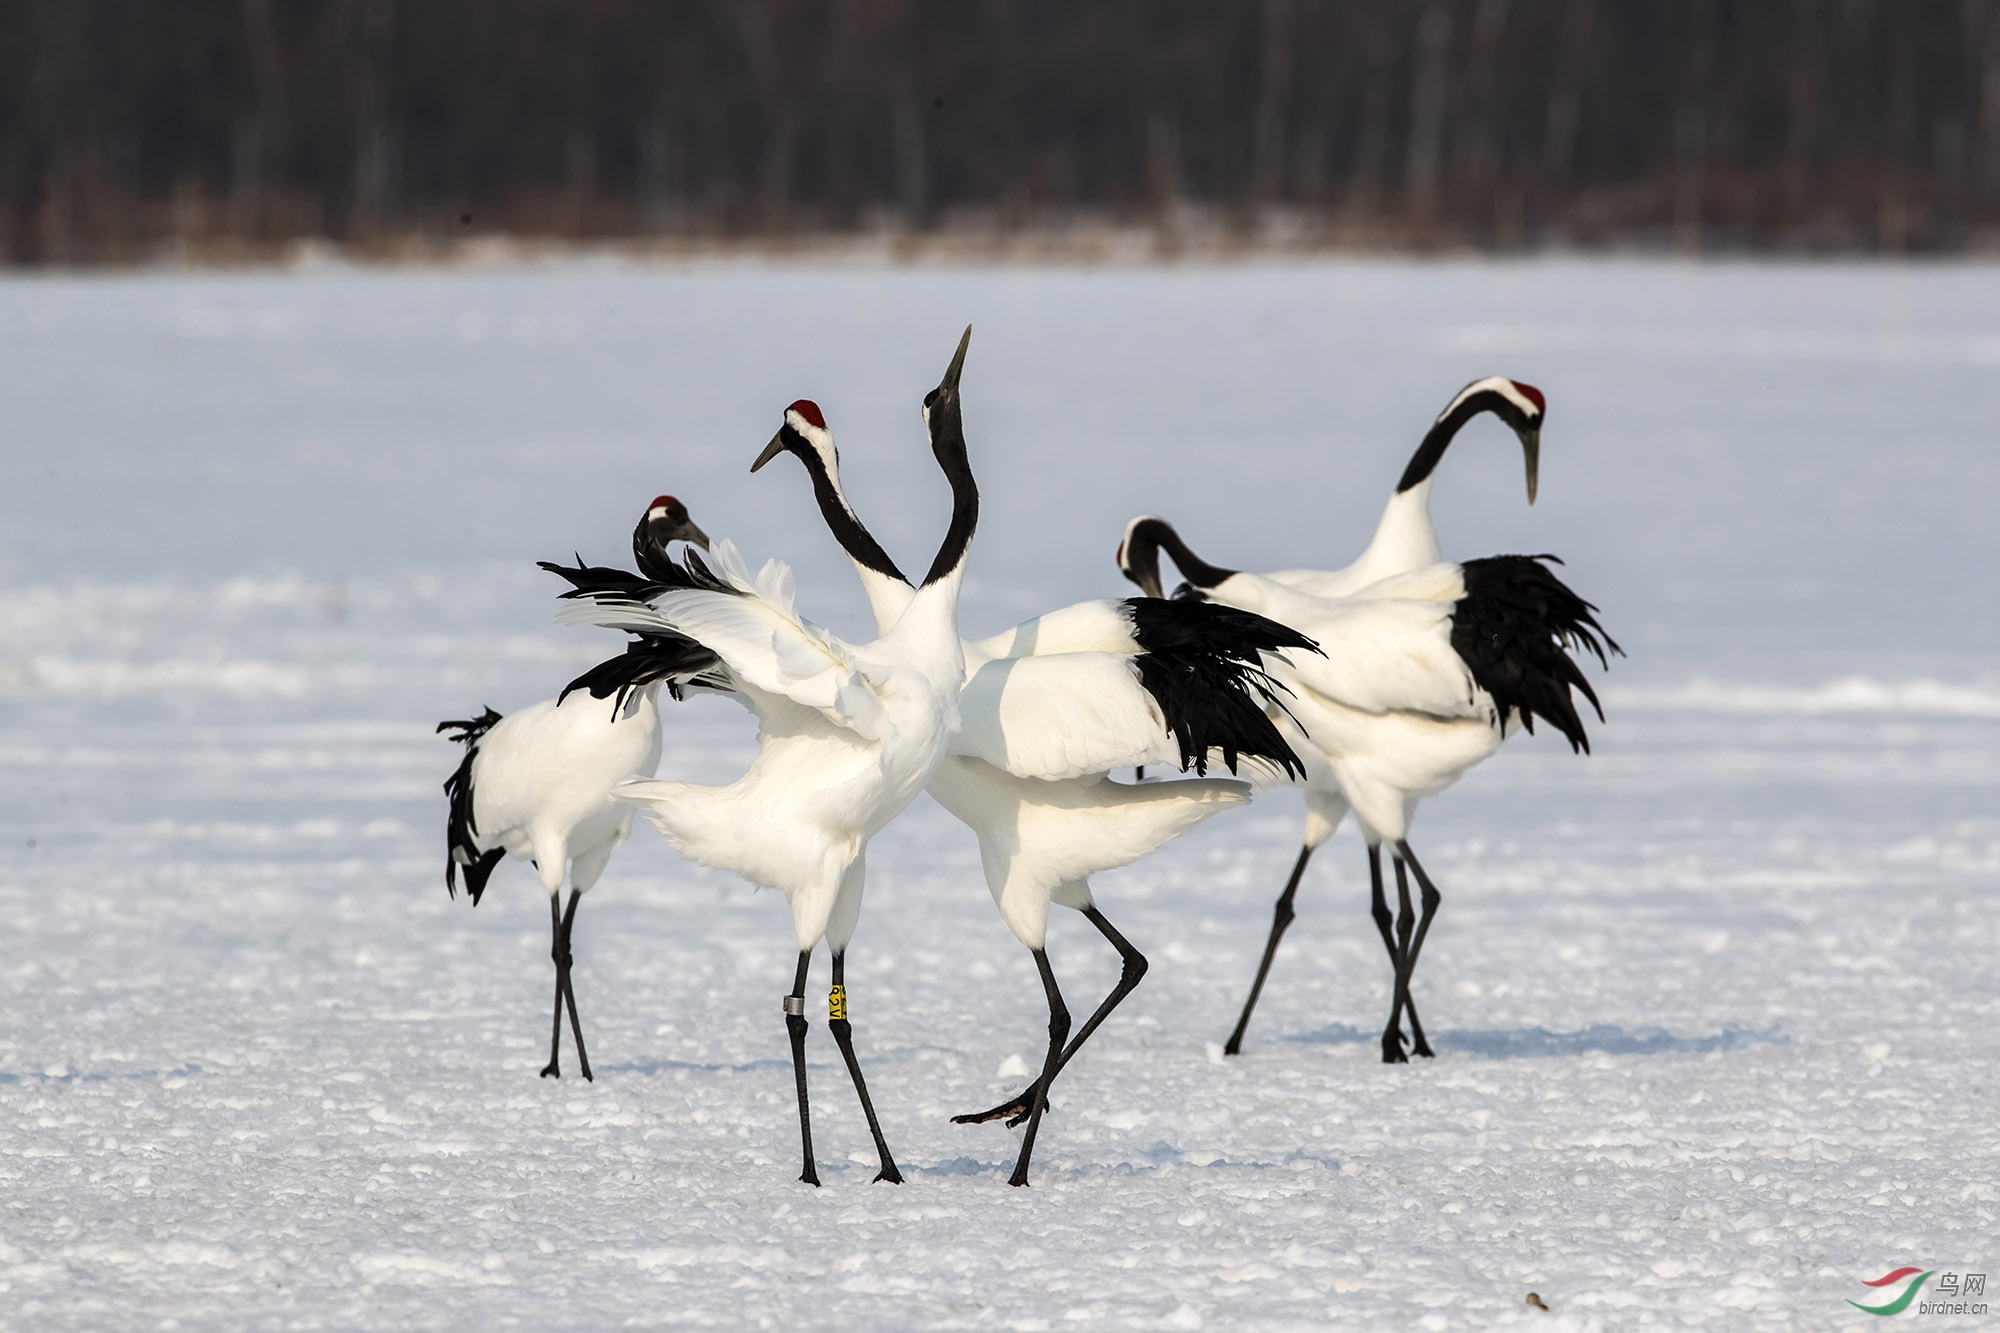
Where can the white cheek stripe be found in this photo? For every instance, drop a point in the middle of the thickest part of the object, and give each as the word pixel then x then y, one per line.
pixel 1499 384
pixel 819 437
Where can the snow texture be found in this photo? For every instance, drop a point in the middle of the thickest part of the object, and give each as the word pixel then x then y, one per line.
pixel 1716 1007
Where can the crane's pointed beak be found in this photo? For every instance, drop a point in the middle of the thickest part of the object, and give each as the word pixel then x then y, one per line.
pixel 693 535
pixel 771 451
pixel 1531 451
pixel 949 384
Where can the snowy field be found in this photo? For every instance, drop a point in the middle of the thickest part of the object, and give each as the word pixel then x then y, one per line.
pixel 1717 1008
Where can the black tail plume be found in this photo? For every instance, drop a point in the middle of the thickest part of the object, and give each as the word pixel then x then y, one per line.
pixel 461 829
pixel 602 583
pixel 1515 627
pixel 1202 665
pixel 599 580
pixel 647 659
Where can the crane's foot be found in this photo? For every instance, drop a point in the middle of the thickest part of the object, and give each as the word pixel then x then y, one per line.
pixel 1014 1112
pixel 552 1070
pixel 1392 1048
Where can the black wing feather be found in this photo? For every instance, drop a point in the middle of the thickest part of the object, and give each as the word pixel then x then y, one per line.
pixel 1202 664
pixel 649 658
pixel 1515 628
pixel 461 828
pixel 602 583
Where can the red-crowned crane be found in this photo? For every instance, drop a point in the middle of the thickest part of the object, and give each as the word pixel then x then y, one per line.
pixel 536 784
pixel 1507 621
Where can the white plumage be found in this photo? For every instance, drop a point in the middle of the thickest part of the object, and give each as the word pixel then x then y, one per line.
pixel 1041 840
pixel 1400 716
pixel 542 776
pixel 848 734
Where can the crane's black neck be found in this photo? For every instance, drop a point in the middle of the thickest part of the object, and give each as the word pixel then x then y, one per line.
pixel 651 556
pixel 1431 452
pixel 948 443
pixel 1149 538
pixel 847 529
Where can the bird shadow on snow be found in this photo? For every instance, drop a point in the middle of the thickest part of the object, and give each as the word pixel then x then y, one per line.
pixel 1147 1161
pixel 649 1066
pixel 1540 1043
pixel 10 1079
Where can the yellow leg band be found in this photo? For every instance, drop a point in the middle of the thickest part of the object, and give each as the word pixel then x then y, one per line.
pixel 836 1003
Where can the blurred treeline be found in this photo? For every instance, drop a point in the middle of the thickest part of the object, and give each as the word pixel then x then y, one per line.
pixel 224 126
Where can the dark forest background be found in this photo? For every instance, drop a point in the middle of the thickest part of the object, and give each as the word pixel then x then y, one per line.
pixel 218 127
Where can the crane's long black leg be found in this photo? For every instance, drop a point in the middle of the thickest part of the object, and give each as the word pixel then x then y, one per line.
pixel 1128 979
pixel 1406 920
pixel 553 1069
pixel 569 985
pixel 1392 1036
pixel 1058 1033
pixel 843 1036
pixel 1281 918
pixel 795 1024
pixel 1130 974
pixel 1431 899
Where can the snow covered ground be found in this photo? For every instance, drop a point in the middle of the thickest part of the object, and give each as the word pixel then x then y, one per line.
pixel 1717 1008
